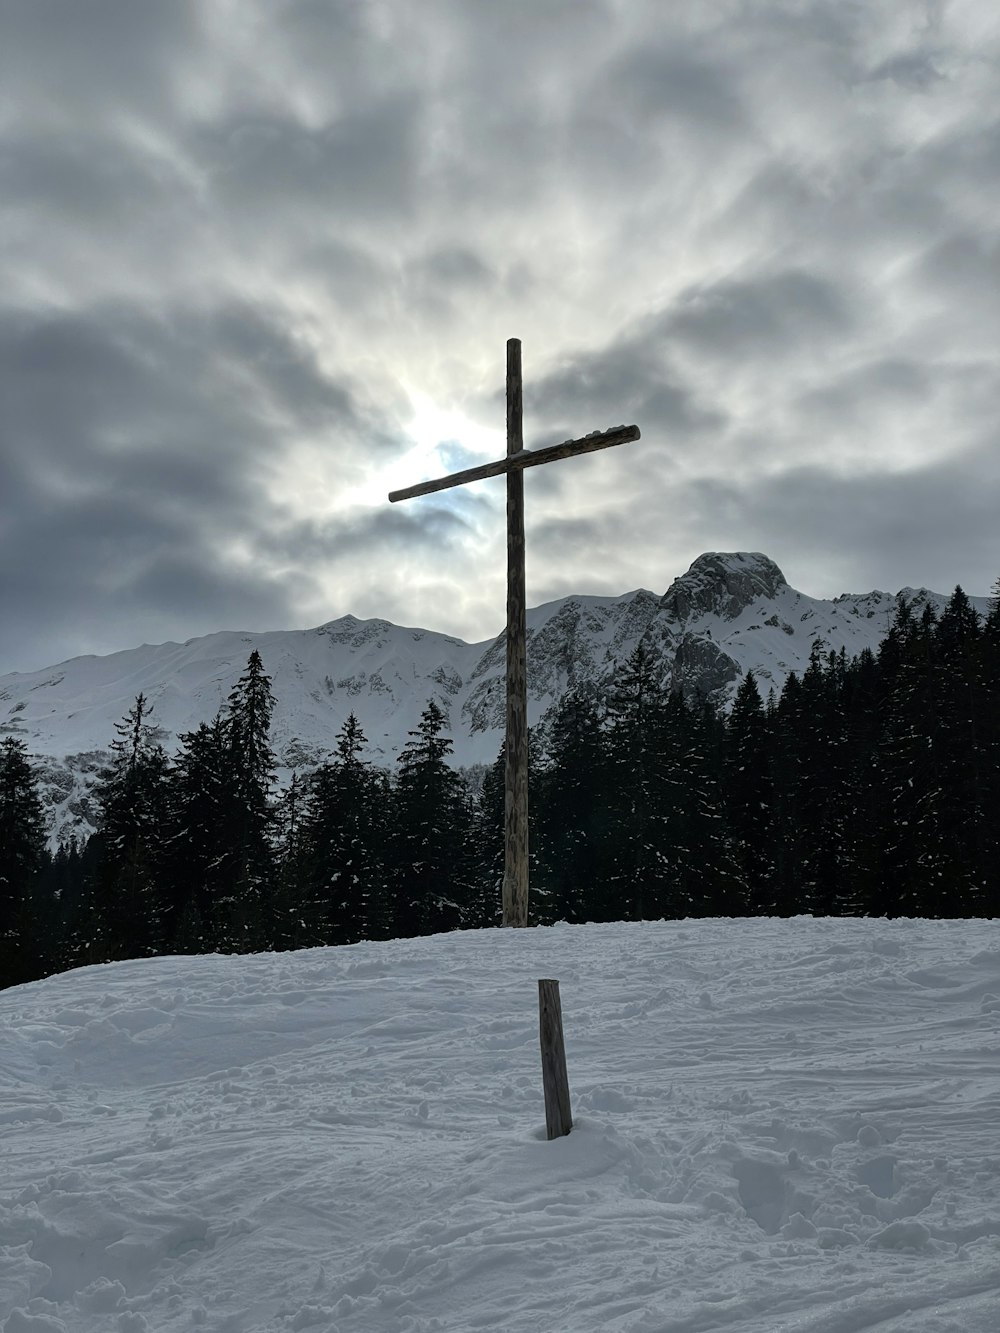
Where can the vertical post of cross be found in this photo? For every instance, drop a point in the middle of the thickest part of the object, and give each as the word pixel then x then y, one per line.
pixel 515 880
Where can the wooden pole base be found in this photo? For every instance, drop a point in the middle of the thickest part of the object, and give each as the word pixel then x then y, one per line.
pixel 555 1083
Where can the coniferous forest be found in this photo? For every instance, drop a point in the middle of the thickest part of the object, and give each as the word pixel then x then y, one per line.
pixel 869 787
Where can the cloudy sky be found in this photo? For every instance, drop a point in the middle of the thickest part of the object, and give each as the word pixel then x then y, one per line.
pixel 259 260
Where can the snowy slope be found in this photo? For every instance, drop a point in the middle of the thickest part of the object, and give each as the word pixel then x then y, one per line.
pixel 782 1127
pixel 730 613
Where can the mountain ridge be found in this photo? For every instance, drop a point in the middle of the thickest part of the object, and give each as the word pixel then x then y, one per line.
pixel 729 613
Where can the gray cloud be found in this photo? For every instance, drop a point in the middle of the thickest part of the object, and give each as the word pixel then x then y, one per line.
pixel 916 70
pixel 138 452
pixel 100 56
pixel 616 385
pixel 277 166
pixel 249 254
pixel 669 84
pixel 760 317
pixel 907 525
pixel 436 529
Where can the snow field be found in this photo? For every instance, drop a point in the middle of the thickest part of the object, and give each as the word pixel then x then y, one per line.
pixel 782 1127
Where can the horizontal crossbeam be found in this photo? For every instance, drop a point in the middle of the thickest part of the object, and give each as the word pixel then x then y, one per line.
pixel 605 439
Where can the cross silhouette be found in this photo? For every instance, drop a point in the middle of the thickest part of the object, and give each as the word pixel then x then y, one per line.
pixel 515 879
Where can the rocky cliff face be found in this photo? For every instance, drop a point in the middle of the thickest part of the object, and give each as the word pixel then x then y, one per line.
pixel 728 614
pixel 722 585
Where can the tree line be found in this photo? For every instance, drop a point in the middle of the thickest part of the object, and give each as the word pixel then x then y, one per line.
pixel 869 786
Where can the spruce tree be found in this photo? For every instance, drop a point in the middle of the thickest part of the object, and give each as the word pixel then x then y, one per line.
pixel 24 918
pixel 431 839
pixel 786 727
pixel 80 938
pixel 573 819
pixel 862 801
pixel 197 848
pixel 908 759
pixel 250 771
pixel 485 904
pixel 704 878
pixel 292 925
pixel 132 796
pixel 961 806
pixel 638 852
pixel 821 740
pixel 61 891
pixel 749 797
pixel 989 744
pixel 344 845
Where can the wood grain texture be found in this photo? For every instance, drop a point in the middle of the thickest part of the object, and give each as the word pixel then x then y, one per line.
pixel 526 458
pixel 515 879
pixel 555 1081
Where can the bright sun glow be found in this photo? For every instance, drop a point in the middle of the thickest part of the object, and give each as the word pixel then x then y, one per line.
pixel 431 430
pixel 440 441
pixel 432 425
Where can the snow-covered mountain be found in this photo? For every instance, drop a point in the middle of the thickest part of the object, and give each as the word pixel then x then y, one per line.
pixel 729 614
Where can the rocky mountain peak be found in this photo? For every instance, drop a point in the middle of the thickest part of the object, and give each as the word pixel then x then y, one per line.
pixel 732 612
pixel 722 583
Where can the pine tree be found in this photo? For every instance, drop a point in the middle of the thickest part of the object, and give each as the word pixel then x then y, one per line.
pixel 249 859
pixel 821 739
pixel 861 888
pixel 197 845
pixel 639 857
pixel 572 816
pixel 705 878
pixel 908 762
pixel 749 796
pixel 989 744
pixel 132 795
pixel 345 832
pixel 293 925
pixel 23 857
pixel 79 937
pixel 60 890
pixel 431 842
pixel 785 727
pixel 486 905
pixel 961 802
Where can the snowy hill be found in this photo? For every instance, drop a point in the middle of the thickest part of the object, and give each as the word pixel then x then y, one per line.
pixel 730 613
pixel 781 1126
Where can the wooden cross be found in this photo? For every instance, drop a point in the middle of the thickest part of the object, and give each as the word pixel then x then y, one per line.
pixel 515 879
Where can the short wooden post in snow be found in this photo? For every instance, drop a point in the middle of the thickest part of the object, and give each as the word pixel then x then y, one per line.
pixel 555 1083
